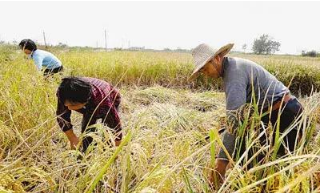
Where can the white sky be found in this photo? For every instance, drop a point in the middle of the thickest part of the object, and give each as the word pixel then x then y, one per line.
pixel 164 24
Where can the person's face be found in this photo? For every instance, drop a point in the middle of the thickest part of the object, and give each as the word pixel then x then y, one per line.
pixel 74 105
pixel 212 69
pixel 26 51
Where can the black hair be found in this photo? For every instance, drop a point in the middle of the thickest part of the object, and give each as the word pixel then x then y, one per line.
pixel 28 44
pixel 74 89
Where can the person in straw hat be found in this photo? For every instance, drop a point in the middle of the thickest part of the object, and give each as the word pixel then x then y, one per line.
pixel 245 83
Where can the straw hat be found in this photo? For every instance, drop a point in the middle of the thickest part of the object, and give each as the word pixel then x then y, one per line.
pixel 203 53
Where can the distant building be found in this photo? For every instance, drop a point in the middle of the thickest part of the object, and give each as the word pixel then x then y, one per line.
pixel 136 48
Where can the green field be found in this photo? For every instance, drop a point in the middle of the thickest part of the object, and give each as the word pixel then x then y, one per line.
pixel 165 118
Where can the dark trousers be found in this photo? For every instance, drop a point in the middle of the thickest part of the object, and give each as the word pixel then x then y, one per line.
pixel 50 72
pixel 87 140
pixel 289 114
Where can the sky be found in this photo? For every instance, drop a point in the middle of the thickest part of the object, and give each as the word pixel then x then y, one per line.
pixel 163 24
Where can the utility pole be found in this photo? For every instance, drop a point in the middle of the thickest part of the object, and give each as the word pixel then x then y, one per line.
pixel 105 39
pixel 44 38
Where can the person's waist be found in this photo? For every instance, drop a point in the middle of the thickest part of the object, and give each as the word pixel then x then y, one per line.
pixel 112 92
pixel 281 101
pixel 52 63
pixel 53 67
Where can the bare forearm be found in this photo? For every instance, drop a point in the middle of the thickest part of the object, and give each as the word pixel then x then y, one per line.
pixel 74 140
pixel 217 176
pixel 70 134
pixel 221 166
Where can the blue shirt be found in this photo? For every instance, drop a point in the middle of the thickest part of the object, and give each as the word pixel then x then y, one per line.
pixel 45 59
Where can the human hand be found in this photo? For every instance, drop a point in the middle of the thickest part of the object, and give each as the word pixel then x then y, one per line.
pixel 117 142
pixel 74 140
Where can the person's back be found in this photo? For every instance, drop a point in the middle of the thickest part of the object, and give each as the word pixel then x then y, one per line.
pixel 240 76
pixel 45 59
pixel 103 96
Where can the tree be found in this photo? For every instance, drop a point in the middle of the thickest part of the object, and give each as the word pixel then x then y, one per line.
pixel 265 45
pixel 244 47
pixel 311 53
pixel 62 45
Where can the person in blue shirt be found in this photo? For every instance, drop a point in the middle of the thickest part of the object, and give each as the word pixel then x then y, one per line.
pixel 43 60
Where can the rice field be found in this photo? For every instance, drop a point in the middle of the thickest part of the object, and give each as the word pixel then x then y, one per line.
pixel 166 121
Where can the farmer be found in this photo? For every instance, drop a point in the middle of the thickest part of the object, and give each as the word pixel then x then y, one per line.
pixel 50 63
pixel 95 99
pixel 244 82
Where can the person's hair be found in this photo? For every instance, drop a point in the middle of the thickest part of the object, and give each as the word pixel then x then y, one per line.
pixel 28 44
pixel 74 89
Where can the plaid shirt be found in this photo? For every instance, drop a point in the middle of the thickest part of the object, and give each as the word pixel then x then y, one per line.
pixel 103 103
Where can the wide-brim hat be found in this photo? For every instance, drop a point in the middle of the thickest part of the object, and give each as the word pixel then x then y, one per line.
pixel 203 53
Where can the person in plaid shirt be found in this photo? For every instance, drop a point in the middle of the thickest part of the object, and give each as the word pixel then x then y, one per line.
pixel 95 99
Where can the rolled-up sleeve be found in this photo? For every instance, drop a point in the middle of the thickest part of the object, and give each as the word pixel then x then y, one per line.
pixel 229 136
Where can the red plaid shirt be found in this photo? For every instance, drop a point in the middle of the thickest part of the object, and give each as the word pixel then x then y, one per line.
pixel 104 103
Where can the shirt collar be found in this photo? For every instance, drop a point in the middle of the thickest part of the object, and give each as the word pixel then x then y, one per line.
pixel 32 53
pixel 224 65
